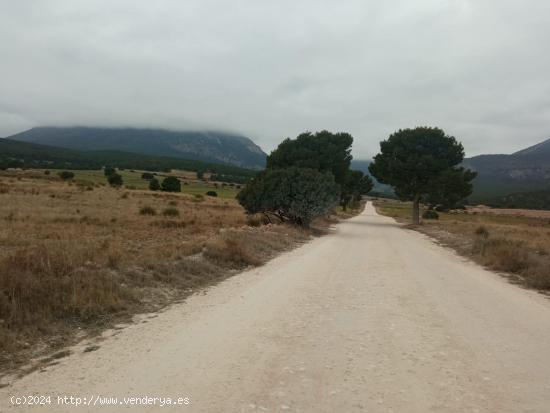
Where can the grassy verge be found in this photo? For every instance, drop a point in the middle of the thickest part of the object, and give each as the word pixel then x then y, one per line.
pixel 77 259
pixel 517 245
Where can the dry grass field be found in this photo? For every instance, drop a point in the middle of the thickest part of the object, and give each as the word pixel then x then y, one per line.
pixel 79 257
pixel 514 242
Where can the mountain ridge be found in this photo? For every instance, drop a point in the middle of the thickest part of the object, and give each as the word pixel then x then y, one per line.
pixel 525 170
pixel 208 146
pixel 18 154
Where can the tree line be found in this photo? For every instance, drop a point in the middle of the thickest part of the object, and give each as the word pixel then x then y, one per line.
pixel 308 176
pixel 305 178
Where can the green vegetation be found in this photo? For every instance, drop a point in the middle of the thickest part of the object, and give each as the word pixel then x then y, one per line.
pixel 212 193
pixel 154 184
pixel 228 178
pixel 430 214
pixel 297 195
pixel 356 185
pixel 526 200
pixel 66 175
pixel 115 179
pixel 171 184
pixel 15 154
pixel 421 164
pixel 325 152
pixel 305 178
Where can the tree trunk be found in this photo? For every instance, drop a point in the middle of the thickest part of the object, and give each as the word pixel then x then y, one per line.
pixel 416 210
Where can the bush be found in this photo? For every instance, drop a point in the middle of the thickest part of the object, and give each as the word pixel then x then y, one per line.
pixel 147 210
pixel 46 172
pixel 108 170
pixel 482 232
pixel 147 176
pixel 66 175
pixel 211 193
pixel 430 214
pixel 502 254
pixel 171 212
pixel 171 184
pixel 154 184
pixel 231 252
pixel 114 179
pixel 297 195
pixel 256 220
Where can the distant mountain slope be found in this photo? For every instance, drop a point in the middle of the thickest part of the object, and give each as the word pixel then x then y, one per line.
pixel 31 155
pixel 206 146
pixel 523 171
pixel 526 200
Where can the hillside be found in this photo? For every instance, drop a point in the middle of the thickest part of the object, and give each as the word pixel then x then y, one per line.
pixel 30 155
pixel 213 147
pixel 524 200
pixel 523 171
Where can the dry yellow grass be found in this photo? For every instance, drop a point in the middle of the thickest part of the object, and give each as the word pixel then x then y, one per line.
pixel 516 243
pixel 79 256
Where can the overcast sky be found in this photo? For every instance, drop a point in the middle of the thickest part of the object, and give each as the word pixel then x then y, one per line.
pixel 479 69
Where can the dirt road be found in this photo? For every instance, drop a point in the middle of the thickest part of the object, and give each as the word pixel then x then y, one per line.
pixel 370 318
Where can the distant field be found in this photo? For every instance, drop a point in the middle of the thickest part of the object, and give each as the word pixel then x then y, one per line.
pixel 512 241
pixel 132 179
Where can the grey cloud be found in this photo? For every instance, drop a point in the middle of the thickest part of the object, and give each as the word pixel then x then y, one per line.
pixel 477 68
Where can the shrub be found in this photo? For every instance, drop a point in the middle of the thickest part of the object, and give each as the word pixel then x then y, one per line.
pixel 504 255
pixel 256 220
pixel 297 195
pixel 154 184
pixel 482 232
pixel 171 212
pixel 147 210
pixel 171 184
pixel 66 175
pixel 46 172
pixel 430 214
pixel 211 193
pixel 108 170
pixel 114 179
pixel 231 252
pixel 147 176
